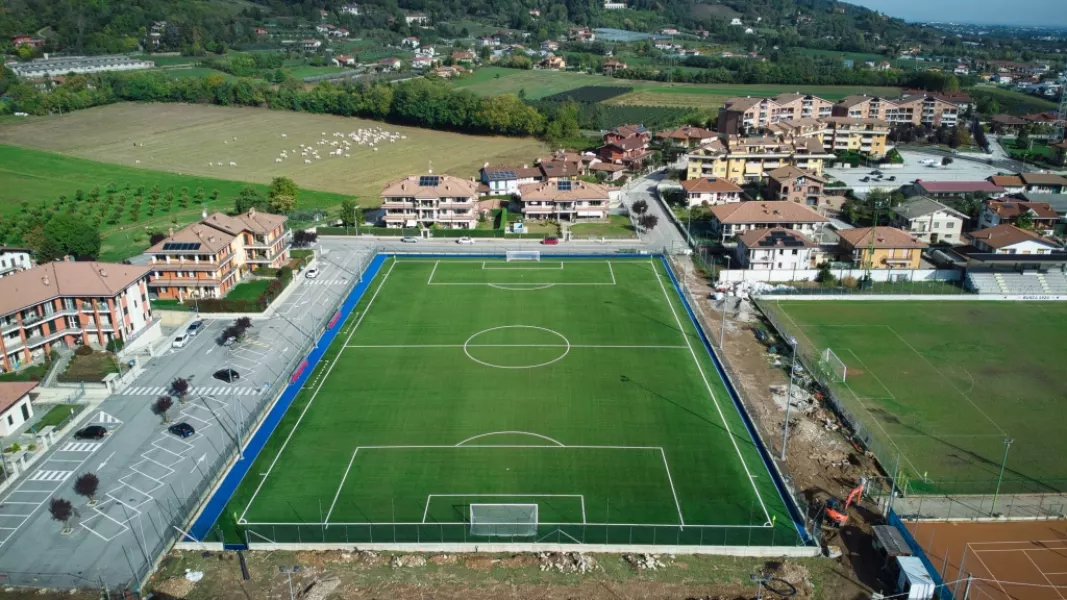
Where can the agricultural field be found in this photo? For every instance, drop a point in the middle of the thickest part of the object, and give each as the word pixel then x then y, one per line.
pixel 941 385
pixel 1010 101
pixel 192 72
pixel 203 140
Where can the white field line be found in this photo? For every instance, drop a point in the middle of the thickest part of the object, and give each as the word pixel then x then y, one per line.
pixel 430 497
pixel 990 573
pixel 322 380
pixel 714 400
pixel 612 271
pixel 365 523
pixel 677 505
pixel 934 367
pixel 1030 548
pixel 537 435
pixel 518 283
pixel 873 374
pixel 486 268
pixel 432 271
pixel 623 347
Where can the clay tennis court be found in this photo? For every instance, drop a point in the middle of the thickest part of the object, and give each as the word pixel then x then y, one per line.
pixel 1008 561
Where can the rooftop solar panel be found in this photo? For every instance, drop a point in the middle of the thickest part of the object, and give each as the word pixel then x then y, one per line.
pixel 429 180
pixel 563 185
pixel 181 246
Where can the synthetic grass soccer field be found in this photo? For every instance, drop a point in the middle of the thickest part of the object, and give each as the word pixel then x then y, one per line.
pixel 943 384
pixel 578 386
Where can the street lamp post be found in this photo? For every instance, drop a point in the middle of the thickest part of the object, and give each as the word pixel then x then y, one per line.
pixel 789 396
pixel 289 574
pixel 722 323
pixel 1007 445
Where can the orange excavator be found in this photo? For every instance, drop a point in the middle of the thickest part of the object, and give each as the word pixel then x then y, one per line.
pixel 835 514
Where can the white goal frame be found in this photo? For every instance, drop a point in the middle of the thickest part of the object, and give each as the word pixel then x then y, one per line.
pixel 509 527
pixel 834 365
pixel 514 255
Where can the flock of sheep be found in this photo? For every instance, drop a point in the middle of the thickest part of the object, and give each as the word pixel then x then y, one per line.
pixel 340 146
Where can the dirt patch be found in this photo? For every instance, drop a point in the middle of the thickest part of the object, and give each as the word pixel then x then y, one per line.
pixel 443 559
pixel 179 587
pixel 518 561
pixel 480 563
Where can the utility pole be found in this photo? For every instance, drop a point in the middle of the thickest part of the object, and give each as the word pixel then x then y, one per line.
pixel 722 324
pixel 789 397
pixel 1007 445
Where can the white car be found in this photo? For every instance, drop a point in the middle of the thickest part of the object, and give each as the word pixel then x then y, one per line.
pixel 465 240
pixel 179 342
pixel 312 273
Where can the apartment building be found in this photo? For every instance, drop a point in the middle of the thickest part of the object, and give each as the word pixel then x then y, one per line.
pixel 881 247
pixel 687 136
pixel 863 135
pixel 730 220
pixel 740 115
pixel 431 200
pixel 799 106
pixel 70 304
pixel 930 221
pixel 564 200
pixel 206 259
pixel 1009 239
pixel 746 159
pixel 1041 215
pixel 915 109
pixel 13 260
pixel 776 248
pixel 791 184
pixel 710 191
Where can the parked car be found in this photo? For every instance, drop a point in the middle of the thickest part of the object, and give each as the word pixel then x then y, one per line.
pixel 409 239
pixel 229 341
pixel 465 240
pixel 92 432
pixel 550 241
pixel 182 430
pixel 227 375
pixel 180 339
pixel 312 273
pixel 194 328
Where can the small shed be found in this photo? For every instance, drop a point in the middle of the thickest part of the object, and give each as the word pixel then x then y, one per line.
pixel 914 580
pixel 889 540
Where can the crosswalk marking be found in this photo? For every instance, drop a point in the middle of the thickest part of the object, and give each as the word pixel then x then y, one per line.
pixel 42 475
pixel 79 447
pixel 325 281
pixel 217 390
pixel 103 417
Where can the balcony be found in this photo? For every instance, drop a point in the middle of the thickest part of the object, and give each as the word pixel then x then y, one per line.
pixel 161 283
pixel 37 340
pixel 264 244
pixel 103 326
pixel 190 265
pixel 9 327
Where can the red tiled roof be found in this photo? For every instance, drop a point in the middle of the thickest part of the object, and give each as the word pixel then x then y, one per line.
pixel 960 187
pixel 13 391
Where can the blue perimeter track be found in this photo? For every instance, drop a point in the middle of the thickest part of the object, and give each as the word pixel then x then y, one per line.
pixel 221 497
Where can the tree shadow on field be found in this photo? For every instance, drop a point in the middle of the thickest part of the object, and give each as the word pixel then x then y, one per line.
pixel 652 392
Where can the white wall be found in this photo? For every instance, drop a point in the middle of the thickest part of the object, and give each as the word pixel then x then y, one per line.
pixel 786 275
pixel 138 309
pixel 12 418
pixel 1027 247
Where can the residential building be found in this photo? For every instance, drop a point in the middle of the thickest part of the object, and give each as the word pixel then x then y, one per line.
pixel 1012 184
pixel 775 249
pixel 792 184
pixel 1059 152
pixel 746 159
pixel 426 51
pixel 1009 239
pixel 1041 215
pixel 608 5
pixel 351 9
pixel 206 259
pixel 342 60
pixel 1006 123
pixel 463 57
pixel 431 200
pixel 67 303
pixel 19 41
pixel 13 260
pixel 611 171
pixel 411 42
pixel 729 220
pixel 1044 183
pixel 311 45
pixel 16 407
pixel 549 46
pixel 710 191
pixel 44 67
pixel 390 64
pixel 866 107
pixel 421 61
pixel 687 136
pixel 799 106
pixel 881 248
pixel 625 145
pixel 416 18
pixel 582 34
pixel 866 136
pixel 502 180
pixel 928 220
pixel 552 63
pixel 739 116
pixel 611 66
pixel 564 200
pixel 915 109
pixel 952 189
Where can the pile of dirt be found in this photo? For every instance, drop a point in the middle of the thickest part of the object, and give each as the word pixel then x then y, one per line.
pixel 320 588
pixel 645 562
pixel 567 562
pixel 179 587
pixel 400 561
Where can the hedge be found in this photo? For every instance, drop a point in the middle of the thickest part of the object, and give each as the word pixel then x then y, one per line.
pixel 362 230
pixel 484 233
pixel 260 304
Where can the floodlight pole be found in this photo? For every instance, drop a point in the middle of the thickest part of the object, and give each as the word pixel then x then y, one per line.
pixel 789 396
pixel 722 322
pixel 1007 445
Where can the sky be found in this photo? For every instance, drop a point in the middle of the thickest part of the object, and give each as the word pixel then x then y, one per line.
pixel 1004 12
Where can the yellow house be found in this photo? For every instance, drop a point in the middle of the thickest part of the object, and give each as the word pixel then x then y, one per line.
pixel 881 248
pixel 745 159
pixel 866 136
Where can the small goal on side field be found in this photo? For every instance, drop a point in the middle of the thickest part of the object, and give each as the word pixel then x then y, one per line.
pixel 834 366
pixel 504 520
pixel 525 255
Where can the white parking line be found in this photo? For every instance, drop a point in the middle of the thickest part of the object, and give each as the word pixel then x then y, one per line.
pixel 43 475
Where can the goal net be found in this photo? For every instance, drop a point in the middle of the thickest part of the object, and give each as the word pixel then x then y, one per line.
pixel 532 255
pixel 834 366
pixel 504 520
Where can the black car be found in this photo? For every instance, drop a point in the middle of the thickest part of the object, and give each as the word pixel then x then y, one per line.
pixel 182 430
pixel 227 375
pixel 92 432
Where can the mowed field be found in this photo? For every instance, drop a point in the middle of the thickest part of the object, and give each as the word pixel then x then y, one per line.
pixel 182 138
pixel 604 416
pixel 493 81
pixel 943 384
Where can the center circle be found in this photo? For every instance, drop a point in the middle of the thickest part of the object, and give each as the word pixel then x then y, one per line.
pixel 488 334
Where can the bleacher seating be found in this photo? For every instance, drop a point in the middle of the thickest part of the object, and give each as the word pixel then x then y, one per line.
pixel 1029 283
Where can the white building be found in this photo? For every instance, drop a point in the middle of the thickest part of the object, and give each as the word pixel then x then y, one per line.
pixel 1009 239
pixel 710 191
pixel 776 248
pixel 351 9
pixel 13 260
pixel 929 220
pixel 15 405
pixel 44 67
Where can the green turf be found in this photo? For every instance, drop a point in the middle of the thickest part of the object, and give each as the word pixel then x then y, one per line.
pixel 942 384
pixel 571 385
pixel 59 413
pixel 248 290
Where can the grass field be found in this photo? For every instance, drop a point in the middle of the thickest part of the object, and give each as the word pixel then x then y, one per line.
pixel 580 387
pixel 617 226
pixel 943 384
pixel 491 81
pixel 182 138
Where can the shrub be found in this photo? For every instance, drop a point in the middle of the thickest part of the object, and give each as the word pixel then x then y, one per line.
pixel 83 351
pixel 115 345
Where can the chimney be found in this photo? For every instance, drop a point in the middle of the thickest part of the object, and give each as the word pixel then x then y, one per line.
pixel 103 273
pixel 170 232
pixel 251 211
pixel 45 280
pixel 203 213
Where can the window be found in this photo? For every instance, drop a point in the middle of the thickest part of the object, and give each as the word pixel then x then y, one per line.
pixel 795 252
pixel 937 225
pixel 10 420
pixel 950 225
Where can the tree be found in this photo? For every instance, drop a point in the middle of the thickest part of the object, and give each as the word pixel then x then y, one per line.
pixel 639 207
pixel 62 510
pixel 1022 141
pixel 86 485
pixel 180 387
pixel 946 161
pixel 244 323
pixel 68 234
pixel 303 238
pixel 1025 220
pixel 249 197
pixel 281 204
pixel 282 194
pixel 349 212
pixel 648 222
pixel 161 406
pixel 156 237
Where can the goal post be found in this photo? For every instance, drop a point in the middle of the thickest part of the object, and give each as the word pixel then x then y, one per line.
pixel 503 520
pixel 528 255
pixel 834 366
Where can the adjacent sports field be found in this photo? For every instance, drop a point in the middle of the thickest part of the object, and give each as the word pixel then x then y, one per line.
pixel 943 384
pixel 580 387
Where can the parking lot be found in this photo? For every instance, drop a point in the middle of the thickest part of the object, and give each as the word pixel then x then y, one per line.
pixel 916 166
